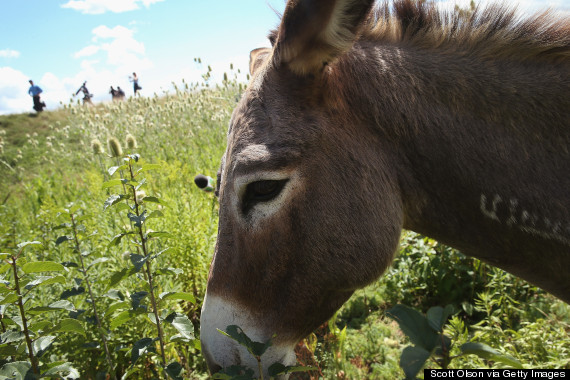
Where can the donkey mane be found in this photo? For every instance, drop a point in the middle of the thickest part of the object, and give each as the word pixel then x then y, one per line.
pixel 495 31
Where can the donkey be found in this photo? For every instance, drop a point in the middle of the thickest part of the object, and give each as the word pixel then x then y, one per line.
pixel 362 120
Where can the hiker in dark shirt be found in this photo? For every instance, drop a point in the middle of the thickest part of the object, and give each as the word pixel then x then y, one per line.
pixel 35 92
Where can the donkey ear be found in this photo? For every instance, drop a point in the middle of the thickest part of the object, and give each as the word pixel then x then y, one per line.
pixel 314 32
pixel 256 58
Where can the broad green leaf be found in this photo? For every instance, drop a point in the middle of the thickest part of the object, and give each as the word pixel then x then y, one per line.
pixel 152 199
pixel 7 350
pixel 174 371
pixel 437 316
pixel 147 167
pixel 138 220
pixel 42 344
pixel 4 268
pixel 117 238
pixel 154 214
pixel 8 299
pixel 42 266
pixel 113 200
pixel 183 325
pixel 116 306
pixel 486 352
pixel 12 336
pixel 40 326
pixel 58 305
pixel 111 183
pixel 28 243
pixel 136 299
pixel 15 370
pixel 123 317
pixel 140 184
pixel 114 294
pixel 413 360
pixel 129 373
pixel 120 275
pixel 45 280
pixel 444 345
pixel 123 206
pixel 98 261
pixel 236 333
pixel 138 261
pixel 415 326
pixel 140 348
pixel 65 370
pixel 68 325
pixel 62 239
pixel 113 169
pixel 157 234
pixel 178 296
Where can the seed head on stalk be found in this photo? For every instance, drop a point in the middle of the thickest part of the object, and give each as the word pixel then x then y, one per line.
pixel 96 146
pixel 115 147
pixel 131 142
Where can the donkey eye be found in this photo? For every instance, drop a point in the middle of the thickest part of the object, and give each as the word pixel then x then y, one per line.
pixel 262 191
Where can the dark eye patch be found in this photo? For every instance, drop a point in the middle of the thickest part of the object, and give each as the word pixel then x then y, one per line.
pixel 261 191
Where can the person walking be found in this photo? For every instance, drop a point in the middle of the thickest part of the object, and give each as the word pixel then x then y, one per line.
pixel 86 95
pixel 135 81
pixel 35 92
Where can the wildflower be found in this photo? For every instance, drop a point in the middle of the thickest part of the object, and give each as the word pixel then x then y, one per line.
pixel 115 147
pixel 96 146
pixel 131 142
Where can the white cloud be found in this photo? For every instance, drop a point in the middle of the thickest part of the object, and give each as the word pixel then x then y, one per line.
pixel 119 32
pixel 14 91
pixel 87 51
pixel 122 51
pixel 102 6
pixel 9 53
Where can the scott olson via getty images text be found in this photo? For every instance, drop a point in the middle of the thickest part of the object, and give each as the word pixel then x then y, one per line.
pixel 497 374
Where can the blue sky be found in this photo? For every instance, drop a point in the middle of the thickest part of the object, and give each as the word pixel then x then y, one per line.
pixel 61 43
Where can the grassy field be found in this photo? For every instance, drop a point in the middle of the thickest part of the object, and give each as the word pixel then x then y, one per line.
pixel 113 273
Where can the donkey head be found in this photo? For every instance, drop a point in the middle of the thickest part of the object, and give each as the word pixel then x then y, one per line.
pixel 309 202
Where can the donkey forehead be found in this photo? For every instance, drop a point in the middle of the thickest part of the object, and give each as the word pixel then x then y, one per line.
pixel 262 131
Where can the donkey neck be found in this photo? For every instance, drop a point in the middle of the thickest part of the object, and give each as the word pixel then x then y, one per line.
pixel 481 148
